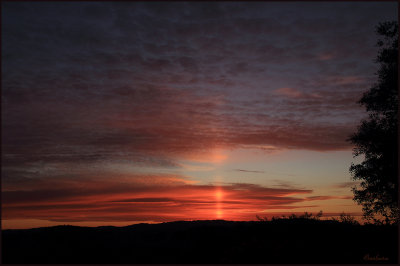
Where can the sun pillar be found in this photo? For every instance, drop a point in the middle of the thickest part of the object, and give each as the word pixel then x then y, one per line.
pixel 218 199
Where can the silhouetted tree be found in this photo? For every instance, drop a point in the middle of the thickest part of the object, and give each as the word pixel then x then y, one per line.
pixel 376 137
pixel 347 219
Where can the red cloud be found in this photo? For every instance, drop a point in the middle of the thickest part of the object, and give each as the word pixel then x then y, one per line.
pixel 296 94
pixel 289 92
pixel 122 200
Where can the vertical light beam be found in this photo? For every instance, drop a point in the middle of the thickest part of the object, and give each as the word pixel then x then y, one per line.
pixel 218 197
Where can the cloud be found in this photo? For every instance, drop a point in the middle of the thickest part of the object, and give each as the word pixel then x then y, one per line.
pixel 346 184
pixel 296 94
pixel 134 199
pixel 133 93
pixel 130 201
pixel 319 138
pixel 289 92
pixel 325 56
pixel 249 171
pixel 328 197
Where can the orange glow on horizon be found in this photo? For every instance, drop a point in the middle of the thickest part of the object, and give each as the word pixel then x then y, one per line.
pixel 118 201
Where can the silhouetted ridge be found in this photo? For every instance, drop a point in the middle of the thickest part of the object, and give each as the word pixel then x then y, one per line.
pixel 216 241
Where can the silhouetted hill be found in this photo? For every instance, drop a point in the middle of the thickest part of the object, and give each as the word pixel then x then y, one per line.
pixel 218 241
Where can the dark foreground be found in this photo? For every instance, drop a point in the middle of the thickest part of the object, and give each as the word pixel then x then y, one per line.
pixel 281 241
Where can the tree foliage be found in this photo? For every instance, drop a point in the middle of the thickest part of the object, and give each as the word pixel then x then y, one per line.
pixel 377 136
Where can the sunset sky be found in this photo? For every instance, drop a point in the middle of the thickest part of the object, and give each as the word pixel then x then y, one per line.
pixel 127 112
